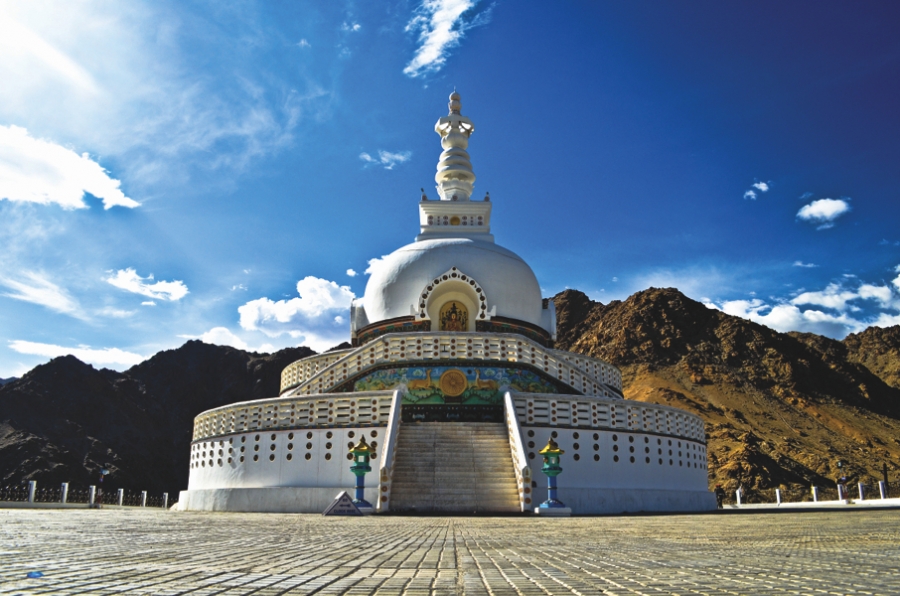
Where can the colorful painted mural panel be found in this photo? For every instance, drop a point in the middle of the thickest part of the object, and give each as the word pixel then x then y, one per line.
pixel 454 384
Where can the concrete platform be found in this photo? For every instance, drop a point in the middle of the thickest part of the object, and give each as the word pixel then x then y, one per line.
pixel 100 552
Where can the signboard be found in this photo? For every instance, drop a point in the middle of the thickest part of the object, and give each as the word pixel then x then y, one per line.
pixel 342 505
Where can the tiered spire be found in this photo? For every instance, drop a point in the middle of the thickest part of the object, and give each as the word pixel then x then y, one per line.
pixel 454 176
pixel 455 215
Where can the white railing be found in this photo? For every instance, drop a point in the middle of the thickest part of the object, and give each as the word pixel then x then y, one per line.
pixel 386 469
pixel 519 455
pixel 301 370
pixel 370 408
pixel 497 347
pixel 606 414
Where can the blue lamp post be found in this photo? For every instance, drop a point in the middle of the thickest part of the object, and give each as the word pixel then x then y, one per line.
pixel 362 453
pixel 551 468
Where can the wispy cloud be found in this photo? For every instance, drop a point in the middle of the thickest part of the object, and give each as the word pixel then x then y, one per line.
pixel 756 188
pixel 824 211
pixel 345 26
pixel 129 280
pixel 315 317
pixel 351 273
pixel 440 25
pixel 387 159
pixel 102 357
pixel 36 288
pixel 806 265
pixel 38 171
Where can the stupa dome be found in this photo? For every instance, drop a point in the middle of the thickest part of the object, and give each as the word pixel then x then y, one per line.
pixel 399 283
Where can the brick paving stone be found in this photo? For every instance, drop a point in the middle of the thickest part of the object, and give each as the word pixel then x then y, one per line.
pixel 152 552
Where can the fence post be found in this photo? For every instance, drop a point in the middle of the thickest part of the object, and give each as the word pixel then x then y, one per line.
pixel 165 500
pixel 64 492
pixel 92 494
pixel 121 496
pixel 882 489
pixel 737 496
pixel 778 496
pixel 815 493
pixel 840 492
pixel 32 488
pixel 862 493
pixel 143 498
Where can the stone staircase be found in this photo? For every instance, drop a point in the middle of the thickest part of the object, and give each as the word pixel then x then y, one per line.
pixel 453 467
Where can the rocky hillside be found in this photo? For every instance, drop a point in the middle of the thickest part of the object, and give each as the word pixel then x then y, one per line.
pixel 63 421
pixel 781 409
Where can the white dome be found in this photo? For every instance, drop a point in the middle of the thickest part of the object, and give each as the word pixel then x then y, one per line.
pixel 396 285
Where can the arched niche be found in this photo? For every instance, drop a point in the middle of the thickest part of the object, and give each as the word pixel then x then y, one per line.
pixel 453 286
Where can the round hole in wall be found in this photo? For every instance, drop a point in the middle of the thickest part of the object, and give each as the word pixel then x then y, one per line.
pixel 631 449
pixel 670 462
pixel 554 434
pixel 632 459
pixel 290 436
pixel 615 437
pixel 350 445
pixel 575 446
pixel 646 439
pixel 255 458
pixel 646 450
pixel 273 436
pixel 243 439
pixel 242 459
pixel 596 436
pixel 670 442
pixel 631 439
pixel 596 447
pixel 374 445
pixel 256 438
pixel 670 452
pixel 351 434
pixel 242 449
pixel 615 447
pixel 308 446
pixel 289 456
pixel 660 462
pixel 290 446
pixel 374 433
pixel 531 455
pixel 307 456
pixel 648 460
pixel 616 458
pixel 575 436
pixel 327 456
pixel 350 457
pixel 596 457
pixel 272 447
pixel 576 457
pixel 531 444
pixel 256 448
pixel 327 445
pixel 308 435
pixel 272 457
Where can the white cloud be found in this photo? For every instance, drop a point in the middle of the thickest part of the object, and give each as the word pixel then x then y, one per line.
pixel 833 296
pixel 37 289
pixel 104 357
pixel 303 43
pixel 238 287
pixel 802 264
pixel 750 194
pixel 756 188
pixel 148 303
pixel 115 313
pixel 311 317
pixel 823 212
pixel 129 280
pixel 351 273
pixel 38 171
pixel 440 26
pixel 374 264
pixel 386 158
pixel 222 336
pixel 787 317
pixel 350 26
pixel 761 186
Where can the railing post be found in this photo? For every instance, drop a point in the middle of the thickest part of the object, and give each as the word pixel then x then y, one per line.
pixel 882 488
pixel 32 488
pixel 737 496
pixel 120 497
pixel 862 494
pixel 778 496
pixel 64 492
pixel 92 494
pixel 815 493
pixel 143 498
pixel 165 500
pixel 841 496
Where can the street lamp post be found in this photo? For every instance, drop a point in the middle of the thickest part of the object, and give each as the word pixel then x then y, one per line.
pixel 552 506
pixel 362 453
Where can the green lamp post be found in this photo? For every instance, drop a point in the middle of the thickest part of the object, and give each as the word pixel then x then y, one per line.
pixel 551 469
pixel 362 453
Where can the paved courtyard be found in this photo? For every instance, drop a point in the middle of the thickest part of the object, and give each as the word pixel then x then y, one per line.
pixel 158 552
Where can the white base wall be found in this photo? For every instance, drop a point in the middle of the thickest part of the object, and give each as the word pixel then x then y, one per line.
pixel 266 500
pixel 613 501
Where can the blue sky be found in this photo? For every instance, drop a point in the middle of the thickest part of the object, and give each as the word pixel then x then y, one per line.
pixel 175 170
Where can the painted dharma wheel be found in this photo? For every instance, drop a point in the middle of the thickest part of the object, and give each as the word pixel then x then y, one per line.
pixel 454 383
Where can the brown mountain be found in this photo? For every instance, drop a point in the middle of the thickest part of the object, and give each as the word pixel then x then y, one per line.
pixel 64 420
pixel 781 409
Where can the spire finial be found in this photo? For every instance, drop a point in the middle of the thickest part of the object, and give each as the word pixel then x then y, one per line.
pixel 455 104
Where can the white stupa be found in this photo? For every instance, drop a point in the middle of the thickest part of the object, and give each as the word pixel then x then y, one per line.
pixel 453 388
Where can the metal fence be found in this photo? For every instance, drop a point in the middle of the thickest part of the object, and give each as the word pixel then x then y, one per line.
pixel 800 493
pixel 25 492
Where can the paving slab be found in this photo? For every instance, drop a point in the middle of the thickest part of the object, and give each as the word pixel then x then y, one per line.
pixel 153 552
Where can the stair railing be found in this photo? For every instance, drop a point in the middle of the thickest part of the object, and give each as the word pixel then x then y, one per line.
pixel 386 469
pixel 519 456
